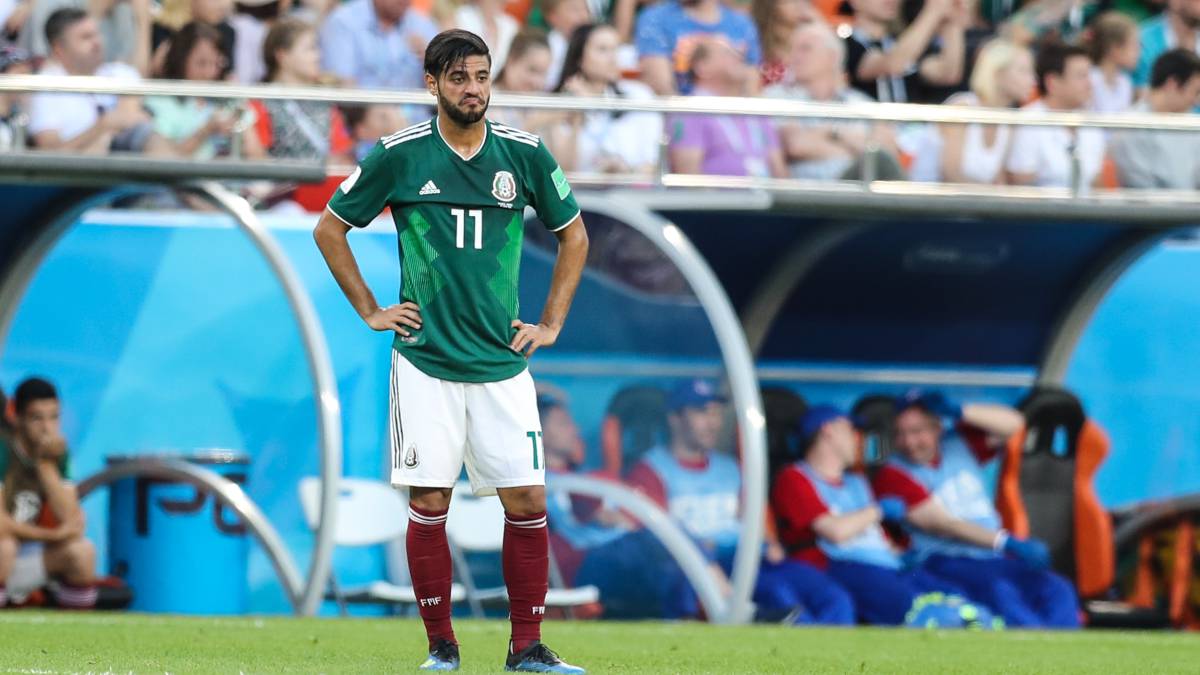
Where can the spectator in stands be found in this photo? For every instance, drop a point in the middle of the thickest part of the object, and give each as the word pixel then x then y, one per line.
pixel 251 21
pixel 563 17
pixel 777 21
pixel 1043 156
pixel 198 127
pixel 699 488
pixel 828 517
pixel 488 20
pixel 13 61
pixel 606 141
pixel 1177 27
pixel 367 124
pixel 124 26
pixel 298 129
pixel 88 123
pixel 528 65
pixel 954 527
pixel 723 145
pixel 669 33
pixel 1115 48
pixel 215 13
pixel 378 44
pixel 1003 77
pixel 828 149
pixel 41 523
pixel 1162 159
pixel 917 65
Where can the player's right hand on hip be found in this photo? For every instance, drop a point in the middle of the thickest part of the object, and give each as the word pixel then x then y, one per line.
pixel 397 318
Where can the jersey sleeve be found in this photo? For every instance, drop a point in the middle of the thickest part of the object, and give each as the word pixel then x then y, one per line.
pixel 892 481
pixel 797 506
pixel 978 442
pixel 647 481
pixel 549 193
pixel 366 192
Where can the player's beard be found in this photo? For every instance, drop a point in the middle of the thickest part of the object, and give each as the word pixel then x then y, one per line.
pixel 459 116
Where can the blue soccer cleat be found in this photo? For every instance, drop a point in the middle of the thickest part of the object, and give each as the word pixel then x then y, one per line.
pixel 443 656
pixel 538 658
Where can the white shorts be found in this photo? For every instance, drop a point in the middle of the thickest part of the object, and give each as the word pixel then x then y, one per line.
pixel 28 572
pixel 437 425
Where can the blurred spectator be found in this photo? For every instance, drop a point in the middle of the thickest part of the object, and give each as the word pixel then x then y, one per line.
pixel 669 33
pixel 298 129
pixel 1163 159
pixel 367 124
pixel 1115 47
pixel 1003 77
pixel 488 20
pixel 13 119
pixel 954 527
pixel 251 21
pixel 124 25
pixel 819 149
pixel 88 123
pixel 378 44
pixel 1177 27
pixel 606 141
pixel 723 145
pixel 41 524
pixel 1054 156
pixel 699 488
pixel 197 127
pixel 777 21
pixel 917 65
pixel 525 73
pixel 215 13
pixel 828 517
pixel 563 17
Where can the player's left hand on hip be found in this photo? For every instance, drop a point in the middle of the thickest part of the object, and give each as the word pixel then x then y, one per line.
pixel 531 336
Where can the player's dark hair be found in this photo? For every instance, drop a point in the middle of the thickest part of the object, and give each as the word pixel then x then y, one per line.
pixel 1052 59
pixel 181 45
pixel 60 20
pixel 33 389
pixel 1177 64
pixel 450 47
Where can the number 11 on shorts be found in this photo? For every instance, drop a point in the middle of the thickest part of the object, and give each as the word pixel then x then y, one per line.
pixel 535 439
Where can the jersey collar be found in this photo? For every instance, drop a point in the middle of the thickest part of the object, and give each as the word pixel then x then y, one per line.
pixel 437 130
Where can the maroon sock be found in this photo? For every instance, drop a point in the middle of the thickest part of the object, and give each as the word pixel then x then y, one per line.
pixel 526 561
pixel 76 597
pixel 431 571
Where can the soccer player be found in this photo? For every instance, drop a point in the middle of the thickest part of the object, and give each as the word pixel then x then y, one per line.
pixel 955 529
pixel 457 186
pixel 41 523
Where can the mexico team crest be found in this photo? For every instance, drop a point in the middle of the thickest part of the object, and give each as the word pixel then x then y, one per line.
pixel 504 186
pixel 410 456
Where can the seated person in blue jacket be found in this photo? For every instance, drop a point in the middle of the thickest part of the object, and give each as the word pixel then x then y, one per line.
pixel 700 488
pixel 954 528
pixel 828 517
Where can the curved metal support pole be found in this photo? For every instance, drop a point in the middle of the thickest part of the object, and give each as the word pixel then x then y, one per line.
pixel 329 415
pixel 743 382
pixel 1079 311
pixel 229 493
pixel 774 291
pixel 673 538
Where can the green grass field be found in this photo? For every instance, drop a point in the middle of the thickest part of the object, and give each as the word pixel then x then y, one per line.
pixel 44 642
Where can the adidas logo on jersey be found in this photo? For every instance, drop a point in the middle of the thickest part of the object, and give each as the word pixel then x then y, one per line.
pixel 429 189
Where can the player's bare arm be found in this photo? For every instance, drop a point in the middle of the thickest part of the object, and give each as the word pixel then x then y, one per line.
pixel 61 497
pixel 330 235
pixel 568 267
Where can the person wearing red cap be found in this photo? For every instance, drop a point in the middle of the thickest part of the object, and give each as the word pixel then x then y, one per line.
pixel 953 525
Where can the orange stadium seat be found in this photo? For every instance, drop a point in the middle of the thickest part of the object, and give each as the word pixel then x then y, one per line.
pixel 1046 488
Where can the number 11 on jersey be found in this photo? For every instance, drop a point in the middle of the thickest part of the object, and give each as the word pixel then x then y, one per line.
pixel 460 226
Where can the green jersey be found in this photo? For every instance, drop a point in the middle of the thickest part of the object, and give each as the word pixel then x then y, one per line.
pixel 460 221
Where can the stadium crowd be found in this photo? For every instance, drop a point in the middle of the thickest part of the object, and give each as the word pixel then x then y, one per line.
pixel 1064 55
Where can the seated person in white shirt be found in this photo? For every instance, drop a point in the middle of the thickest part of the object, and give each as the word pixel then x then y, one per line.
pixel 1042 155
pixel 1154 159
pixel 88 123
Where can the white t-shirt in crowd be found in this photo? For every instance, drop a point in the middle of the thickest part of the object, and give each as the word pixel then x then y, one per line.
pixel 635 138
pixel 1045 152
pixel 249 34
pixel 558 56
pixel 468 17
pixel 1115 98
pixel 73 114
pixel 981 162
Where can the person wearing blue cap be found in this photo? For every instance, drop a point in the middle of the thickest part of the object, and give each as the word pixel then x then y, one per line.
pixel 955 530
pixel 699 487
pixel 828 517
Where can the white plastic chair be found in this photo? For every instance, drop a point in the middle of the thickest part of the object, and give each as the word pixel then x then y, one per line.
pixel 476 524
pixel 369 513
